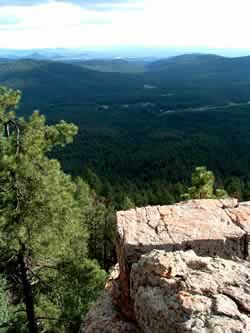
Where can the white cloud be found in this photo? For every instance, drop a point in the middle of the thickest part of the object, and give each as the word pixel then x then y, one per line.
pixel 210 23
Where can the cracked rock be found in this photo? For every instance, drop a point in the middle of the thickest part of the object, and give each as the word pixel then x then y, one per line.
pixel 190 299
pixel 182 268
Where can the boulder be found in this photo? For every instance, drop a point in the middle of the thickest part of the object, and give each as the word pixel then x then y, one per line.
pixel 206 226
pixel 177 292
pixel 182 268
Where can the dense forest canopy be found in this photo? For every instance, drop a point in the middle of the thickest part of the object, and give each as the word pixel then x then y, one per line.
pixel 144 132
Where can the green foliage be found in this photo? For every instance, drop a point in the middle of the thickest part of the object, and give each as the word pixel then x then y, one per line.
pixel 234 187
pixel 100 219
pixel 72 290
pixel 43 219
pixel 203 186
pixel 40 196
pixel 8 102
pixel 131 142
pixel 6 309
pixel 127 203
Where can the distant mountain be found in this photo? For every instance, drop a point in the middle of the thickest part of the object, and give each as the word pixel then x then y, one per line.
pixel 50 54
pixel 194 59
pixel 113 65
pixel 5 60
pixel 203 78
pixel 48 82
pixel 202 66
pixel 175 83
pixel 67 54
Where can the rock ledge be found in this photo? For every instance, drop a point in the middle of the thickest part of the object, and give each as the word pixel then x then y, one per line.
pixel 182 268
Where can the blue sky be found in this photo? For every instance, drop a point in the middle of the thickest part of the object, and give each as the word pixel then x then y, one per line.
pixel 106 23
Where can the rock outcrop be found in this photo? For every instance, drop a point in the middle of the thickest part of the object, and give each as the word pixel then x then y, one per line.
pixel 182 268
pixel 182 292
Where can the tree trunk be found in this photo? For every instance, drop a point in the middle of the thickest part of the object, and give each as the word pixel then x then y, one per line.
pixel 28 295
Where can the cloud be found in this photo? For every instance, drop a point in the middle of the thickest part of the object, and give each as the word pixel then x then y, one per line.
pixel 98 4
pixel 75 23
pixel 60 23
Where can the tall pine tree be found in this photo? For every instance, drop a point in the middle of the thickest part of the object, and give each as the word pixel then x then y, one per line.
pixel 42 228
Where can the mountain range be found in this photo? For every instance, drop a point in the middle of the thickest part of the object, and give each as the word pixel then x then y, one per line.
pixel 182 81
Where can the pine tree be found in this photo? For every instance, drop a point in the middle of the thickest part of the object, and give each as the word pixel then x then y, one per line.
pixel 127 203
pixel 41 223
pixel 203 186
pixel 100 221
pixel 234 187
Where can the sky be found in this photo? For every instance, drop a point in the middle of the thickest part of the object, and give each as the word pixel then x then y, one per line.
pixel 28 24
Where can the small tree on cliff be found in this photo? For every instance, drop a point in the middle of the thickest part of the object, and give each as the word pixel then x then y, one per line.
pixel 203 186
pixel 41 223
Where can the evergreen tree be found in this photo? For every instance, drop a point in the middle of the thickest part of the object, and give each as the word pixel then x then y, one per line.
pixel 234 187
pixel 203 186
pixel 127 203
pixel 246 191
pixel 102 233
pixel 99 217
pixel 41 223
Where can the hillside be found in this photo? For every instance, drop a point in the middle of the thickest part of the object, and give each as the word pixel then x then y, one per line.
pixel 47 83
pixel 203 79
pixel 176 83
pixel 112 65
pixel 200 67
pixel 185 60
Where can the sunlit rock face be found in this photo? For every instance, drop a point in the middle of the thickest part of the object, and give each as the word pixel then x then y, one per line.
pixel 182 268
pixel 182 292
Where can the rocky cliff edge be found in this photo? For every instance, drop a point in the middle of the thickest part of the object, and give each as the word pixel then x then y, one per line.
pixel 181 268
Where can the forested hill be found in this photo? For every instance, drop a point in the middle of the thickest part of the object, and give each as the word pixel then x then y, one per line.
pixel 202 69
pixel 203 63
pixel 113 65
pixel 149 128
pixel 204 79
pixel 173 82
pixel 49 82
